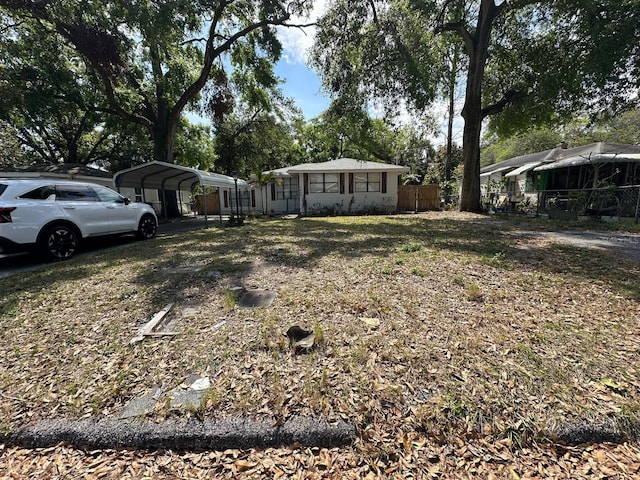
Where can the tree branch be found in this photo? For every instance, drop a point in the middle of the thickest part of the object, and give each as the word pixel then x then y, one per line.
pixel 211 53
pixel 460 28
pixel 375 13
pixel 510 96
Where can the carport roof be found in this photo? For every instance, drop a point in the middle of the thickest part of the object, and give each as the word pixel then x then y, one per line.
pixel 168 176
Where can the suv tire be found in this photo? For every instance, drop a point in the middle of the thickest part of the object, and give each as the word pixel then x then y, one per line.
pixel 147 228
pixel 58 242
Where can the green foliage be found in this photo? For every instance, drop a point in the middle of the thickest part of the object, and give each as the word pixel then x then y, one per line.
pixel 145 62
pixel 195 146
pixel 359 136
pixel 527 63
pixel 534 140
pixel 251 140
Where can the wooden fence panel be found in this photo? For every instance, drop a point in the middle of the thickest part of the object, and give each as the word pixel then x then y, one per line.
pixel 418 198
pixel 213 204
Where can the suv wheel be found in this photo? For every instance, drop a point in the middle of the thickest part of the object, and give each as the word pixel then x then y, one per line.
pixel 147 227
pixel 58 242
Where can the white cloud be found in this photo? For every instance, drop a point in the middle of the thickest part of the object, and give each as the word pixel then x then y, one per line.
pixel 296 42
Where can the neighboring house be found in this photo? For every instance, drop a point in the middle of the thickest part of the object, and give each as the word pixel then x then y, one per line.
pixel 339 186
pixel 61 171
pixel 561 169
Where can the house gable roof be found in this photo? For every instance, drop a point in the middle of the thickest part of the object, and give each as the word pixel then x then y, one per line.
pixel 346 165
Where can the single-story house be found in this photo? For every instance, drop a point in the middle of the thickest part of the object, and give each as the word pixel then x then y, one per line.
pixel 339 186
pixel 561 169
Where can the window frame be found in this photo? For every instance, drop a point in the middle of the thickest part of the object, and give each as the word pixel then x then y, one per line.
pixel 330 183
pixel 368 182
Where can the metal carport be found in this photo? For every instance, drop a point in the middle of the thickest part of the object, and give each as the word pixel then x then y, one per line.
pixel 167 176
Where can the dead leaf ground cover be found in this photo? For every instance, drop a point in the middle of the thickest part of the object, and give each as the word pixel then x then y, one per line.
pixel 455 347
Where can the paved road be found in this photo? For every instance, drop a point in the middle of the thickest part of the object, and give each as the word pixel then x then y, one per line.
pixel 23 263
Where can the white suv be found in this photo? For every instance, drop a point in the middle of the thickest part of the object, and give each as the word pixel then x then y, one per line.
pixel 51 217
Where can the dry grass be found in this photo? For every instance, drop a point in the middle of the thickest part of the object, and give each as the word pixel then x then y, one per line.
pixel 483 339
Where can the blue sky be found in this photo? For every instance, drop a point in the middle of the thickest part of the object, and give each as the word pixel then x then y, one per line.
pixel 303 85
pixel 301 82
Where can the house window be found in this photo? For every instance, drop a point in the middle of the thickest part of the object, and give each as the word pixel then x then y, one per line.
pixel 288 189
pixel 253 198
pixel 138 195
pixel 367 182
pixel 323 183
pixel 226 198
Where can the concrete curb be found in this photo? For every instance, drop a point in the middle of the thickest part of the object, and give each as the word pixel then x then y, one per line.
pixel 237 433
pixel 578 433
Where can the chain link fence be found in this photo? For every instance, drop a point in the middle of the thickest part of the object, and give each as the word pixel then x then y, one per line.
pixel 621 202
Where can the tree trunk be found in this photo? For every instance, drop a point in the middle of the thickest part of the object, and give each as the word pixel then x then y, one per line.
pixel 164 137
pixel 470 197
pixel 452 93
pixel 476 46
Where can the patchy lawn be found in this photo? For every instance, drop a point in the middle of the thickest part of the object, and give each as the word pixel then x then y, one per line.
pixel 453 344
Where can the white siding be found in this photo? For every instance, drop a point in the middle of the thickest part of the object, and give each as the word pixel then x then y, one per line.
pixel 356 202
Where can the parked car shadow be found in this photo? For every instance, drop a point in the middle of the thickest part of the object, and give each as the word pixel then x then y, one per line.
pixel 24 262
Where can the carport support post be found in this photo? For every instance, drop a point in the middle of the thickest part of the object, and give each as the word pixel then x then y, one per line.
pixel 164 205
pixel 638 204
pixel 235 180
pixel 204 201
pixel 220 204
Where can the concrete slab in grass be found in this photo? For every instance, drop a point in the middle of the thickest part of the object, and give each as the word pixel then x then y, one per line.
pixel 258 298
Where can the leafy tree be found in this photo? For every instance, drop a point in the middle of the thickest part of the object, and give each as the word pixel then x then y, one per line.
pixel 253 139
pixel 357 135
pixel 195 146
pixel 12 154
pixel 498 149
pixel 444 162
pixel 43 102
pixel 152 59
pixel 526 61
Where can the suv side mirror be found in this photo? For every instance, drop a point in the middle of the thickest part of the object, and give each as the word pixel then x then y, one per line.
pixel 127 200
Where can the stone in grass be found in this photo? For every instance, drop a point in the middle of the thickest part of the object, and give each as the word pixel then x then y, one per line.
pixel 188 399
pixel 300 339
pixel 139 407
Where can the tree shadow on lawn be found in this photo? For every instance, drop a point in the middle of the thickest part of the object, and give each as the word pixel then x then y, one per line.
pixel 305 242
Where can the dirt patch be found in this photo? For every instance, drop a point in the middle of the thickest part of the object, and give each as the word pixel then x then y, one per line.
pixel 615 243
